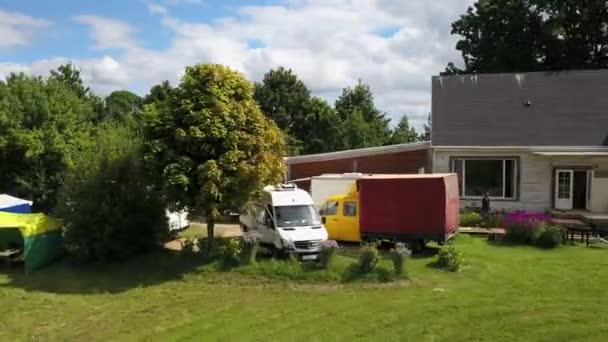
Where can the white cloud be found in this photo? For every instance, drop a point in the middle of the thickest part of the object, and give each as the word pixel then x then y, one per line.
pixel 19 30
pixel 108 33
pixel 394 46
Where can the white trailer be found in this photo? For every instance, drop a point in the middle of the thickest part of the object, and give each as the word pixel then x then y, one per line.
pixel 327 185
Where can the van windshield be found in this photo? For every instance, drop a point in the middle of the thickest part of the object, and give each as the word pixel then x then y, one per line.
pixel 296 216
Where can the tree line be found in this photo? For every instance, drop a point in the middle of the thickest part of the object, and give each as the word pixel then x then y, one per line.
pixel 532 35
pixel 312 125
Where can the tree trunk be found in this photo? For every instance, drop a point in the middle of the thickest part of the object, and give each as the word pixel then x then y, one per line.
pixel 210 232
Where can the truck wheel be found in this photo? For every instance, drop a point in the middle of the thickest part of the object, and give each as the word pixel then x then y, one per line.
pixel 415 246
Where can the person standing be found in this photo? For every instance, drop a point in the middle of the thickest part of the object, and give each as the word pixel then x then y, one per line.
pixel 485 206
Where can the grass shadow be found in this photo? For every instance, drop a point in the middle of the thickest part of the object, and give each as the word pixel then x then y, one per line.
pixel 67 277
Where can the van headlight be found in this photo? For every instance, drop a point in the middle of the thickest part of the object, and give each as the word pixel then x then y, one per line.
pixel 287 244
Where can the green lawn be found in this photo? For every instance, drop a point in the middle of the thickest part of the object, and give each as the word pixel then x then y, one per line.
pixel 504 293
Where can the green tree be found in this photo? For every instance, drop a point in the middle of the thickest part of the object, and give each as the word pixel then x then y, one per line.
pixel 403 133
pixel 286 100
pixel 123 106
pixel 357 110
pixel 323 126
pixel 159 93
pixel 501 36
pixel 532 35
pixel 212 147
pixel 109 209
pixel 43 123
pixel 70 76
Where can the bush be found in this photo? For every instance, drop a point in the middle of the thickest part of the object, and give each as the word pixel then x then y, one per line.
pixel 470 219
pixel 496 220
pixel 329 249
pixel 109 210
pixel 449 258
pixel 398 256
pixel 250 246
pixel 550 236
pixel 523 232
pixel 369 258
pixel 230 253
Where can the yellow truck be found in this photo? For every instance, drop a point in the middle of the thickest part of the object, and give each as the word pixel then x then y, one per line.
pixel 406 208
pixel 340 216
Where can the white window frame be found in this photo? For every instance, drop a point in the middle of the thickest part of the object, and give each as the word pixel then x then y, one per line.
pixel 504 176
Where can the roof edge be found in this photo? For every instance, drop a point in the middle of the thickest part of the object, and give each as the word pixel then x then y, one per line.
pixel 362 152
pixel 525 148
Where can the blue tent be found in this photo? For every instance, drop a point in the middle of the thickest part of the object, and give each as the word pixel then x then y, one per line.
pixel 15 205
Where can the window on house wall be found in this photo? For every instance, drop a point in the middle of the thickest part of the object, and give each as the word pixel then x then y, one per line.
pixel 478 176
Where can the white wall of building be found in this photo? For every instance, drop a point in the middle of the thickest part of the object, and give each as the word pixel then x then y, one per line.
pixel 535 178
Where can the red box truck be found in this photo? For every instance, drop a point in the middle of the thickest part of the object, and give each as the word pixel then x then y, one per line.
pixel 408 208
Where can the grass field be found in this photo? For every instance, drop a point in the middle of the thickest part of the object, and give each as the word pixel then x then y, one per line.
pixel 503 293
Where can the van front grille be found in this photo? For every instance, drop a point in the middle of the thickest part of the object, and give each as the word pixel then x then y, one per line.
pixel 311 244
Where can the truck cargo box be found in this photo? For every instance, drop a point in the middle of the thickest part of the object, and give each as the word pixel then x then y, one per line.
pixel 406 207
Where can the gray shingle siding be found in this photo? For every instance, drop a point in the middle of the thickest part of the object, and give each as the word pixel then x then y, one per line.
pixel 567 109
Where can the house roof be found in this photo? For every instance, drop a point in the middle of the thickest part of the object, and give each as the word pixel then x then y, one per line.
pixel 362 152
pixel 568 108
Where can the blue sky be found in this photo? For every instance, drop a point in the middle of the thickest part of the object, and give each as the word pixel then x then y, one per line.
pixel 395 46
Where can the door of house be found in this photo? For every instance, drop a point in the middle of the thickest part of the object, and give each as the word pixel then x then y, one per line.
pixel 564 183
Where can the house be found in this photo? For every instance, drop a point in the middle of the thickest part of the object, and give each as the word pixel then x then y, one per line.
pixel 393 159
pixel 534 141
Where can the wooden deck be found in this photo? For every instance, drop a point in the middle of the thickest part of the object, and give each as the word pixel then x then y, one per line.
pixel 595 219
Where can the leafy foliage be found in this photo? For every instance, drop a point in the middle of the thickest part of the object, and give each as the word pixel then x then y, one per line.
pixel 321 128
pixel 110 212
pixel 450 259
pixel 363 124
pixel 230 253
pixel 123 106
pixel 532 35
pixel 250 246
pixel 403 133
pixel 43 124
pixel 551 236
pixel 329 249
pixel 398 256
pixel 368 258
pixel 470 219
pixel 210 147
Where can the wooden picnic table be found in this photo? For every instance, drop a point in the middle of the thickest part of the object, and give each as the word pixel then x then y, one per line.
pixel 583 231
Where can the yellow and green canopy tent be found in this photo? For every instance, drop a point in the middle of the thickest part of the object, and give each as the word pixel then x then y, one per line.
pixel 39 234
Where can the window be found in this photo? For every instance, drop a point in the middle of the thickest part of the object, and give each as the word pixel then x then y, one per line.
pixel 350 209
pixel 329 209
pixel 296 216
pixel 498 177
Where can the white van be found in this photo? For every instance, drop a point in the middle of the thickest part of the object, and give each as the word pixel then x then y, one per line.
pixel 287 220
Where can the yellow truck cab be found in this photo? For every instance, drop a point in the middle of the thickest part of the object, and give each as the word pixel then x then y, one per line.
pixel 340 216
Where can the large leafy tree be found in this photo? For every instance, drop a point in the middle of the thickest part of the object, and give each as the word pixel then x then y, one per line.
pixel 122 106
pixel 403 133
pixel 211 146
pixel 358 112
pixel 531 35
pixel 43 123
pixel 159 93
pixel 286 100
pixel 106 202
pixel 322 125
